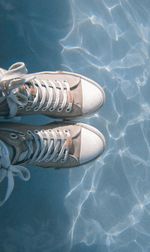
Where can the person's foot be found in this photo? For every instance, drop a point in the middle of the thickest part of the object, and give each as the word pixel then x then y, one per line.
pixel 56 145
pixel 52 146
pixel 56 94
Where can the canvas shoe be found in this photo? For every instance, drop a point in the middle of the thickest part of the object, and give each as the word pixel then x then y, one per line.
pixel 56 94
pixel 57 145
pixel 2 72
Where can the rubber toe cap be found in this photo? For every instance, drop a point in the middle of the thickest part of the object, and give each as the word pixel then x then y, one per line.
pixel 92 145
pixel 93 97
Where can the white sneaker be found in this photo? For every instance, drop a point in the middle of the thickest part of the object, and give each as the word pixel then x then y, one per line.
pixel 56 94
pixel 57 145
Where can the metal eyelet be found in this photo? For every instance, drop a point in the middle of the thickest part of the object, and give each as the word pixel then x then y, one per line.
pixel 66 131
pixel 13 135
pixel 36 109
pixel 59 109
pixel 68 110
pixel 51 109
pixel 27 108
pixel 29 132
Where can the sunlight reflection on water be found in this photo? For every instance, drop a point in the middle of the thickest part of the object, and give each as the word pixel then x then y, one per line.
pixel 108 200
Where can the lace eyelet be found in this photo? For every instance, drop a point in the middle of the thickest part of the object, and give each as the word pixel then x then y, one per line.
pixel 13 136
pixel 44 109
pixel 29 132
pixel 36 131
pixel 27 108
pixel 59 109
pixel 62 160
pixel 20 107
pixel 36 109
pixel 51 109
pixel 68 110
pixel 66 131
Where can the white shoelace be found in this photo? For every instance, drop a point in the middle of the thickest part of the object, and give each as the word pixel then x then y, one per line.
pixel 7 170
pixel 52 97
pixel 9 82
pixel 43 146
pixel 48 96
pixel 48 145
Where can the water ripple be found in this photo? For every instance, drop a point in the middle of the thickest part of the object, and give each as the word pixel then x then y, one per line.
pixel 109 200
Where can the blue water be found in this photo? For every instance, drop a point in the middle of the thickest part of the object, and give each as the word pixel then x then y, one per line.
pixel 104 206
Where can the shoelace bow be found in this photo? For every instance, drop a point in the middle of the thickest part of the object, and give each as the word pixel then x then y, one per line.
pixel 48 96
pixel 46 146
pixel 9 81
pixel 7 170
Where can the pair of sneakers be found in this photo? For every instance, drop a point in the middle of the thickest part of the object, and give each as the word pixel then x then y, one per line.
pixel 63 95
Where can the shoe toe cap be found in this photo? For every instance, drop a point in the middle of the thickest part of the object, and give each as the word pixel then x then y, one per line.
pixel 93 97
pixel 92 144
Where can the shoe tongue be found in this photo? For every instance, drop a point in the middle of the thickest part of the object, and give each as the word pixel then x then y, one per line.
pixel 25 93
pixel 30 91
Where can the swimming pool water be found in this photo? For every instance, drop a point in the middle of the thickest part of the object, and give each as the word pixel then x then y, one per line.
pixel 103 206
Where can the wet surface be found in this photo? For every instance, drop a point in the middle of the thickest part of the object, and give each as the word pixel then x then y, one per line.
pixel 103 206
